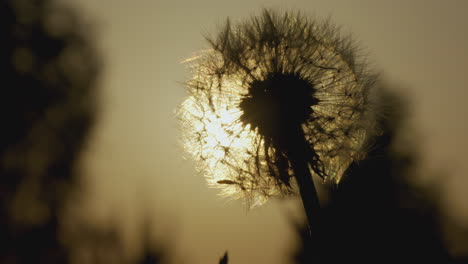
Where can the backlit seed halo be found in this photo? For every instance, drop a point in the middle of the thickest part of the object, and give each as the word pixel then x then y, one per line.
pixel 259 80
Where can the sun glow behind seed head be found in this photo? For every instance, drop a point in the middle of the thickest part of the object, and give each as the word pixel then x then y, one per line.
pixel 220 132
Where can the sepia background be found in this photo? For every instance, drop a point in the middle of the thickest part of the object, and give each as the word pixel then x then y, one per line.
pixel 135 168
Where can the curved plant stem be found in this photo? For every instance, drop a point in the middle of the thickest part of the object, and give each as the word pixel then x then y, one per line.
pixel 299 162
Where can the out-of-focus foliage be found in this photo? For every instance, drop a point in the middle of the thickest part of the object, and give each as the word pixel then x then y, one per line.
pixel 48 68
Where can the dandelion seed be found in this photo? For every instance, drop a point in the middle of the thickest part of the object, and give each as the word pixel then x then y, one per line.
pixel 275 97
pixel 226 182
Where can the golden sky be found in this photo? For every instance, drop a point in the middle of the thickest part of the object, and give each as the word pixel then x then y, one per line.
pixel 135 164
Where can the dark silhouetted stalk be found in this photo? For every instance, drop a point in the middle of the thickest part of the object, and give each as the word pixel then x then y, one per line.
pixel 305 182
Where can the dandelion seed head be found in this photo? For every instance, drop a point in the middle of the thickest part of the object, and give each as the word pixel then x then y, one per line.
pixel 261 81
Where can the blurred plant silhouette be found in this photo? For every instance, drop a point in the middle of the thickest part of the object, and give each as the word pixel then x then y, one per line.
pixel 49 67
pixel 276 100
pixel 104 245
pixel 224 259
pixel 376 215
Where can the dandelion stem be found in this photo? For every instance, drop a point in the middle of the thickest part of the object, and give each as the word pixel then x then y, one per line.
pixel 299 162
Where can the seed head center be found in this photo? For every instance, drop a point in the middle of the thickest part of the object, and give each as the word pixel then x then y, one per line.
pixel 278 105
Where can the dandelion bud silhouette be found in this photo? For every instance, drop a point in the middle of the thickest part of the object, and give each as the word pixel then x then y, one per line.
pixel 277 99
